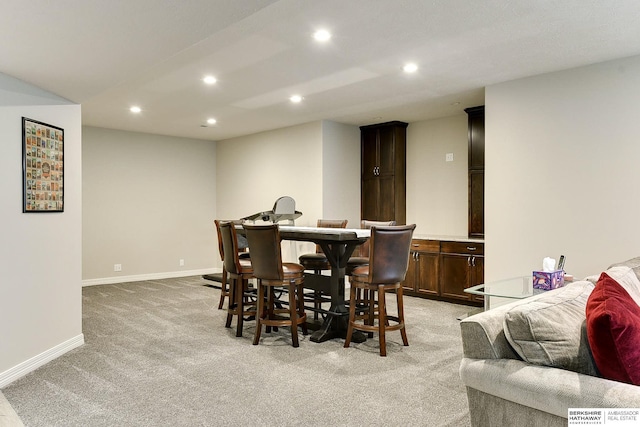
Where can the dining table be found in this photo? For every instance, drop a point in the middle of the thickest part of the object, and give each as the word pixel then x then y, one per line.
pixel 338 245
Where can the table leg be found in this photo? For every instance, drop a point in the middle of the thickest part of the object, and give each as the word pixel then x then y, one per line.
pixel 336 322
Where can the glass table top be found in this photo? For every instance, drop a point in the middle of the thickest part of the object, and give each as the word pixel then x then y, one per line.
pixel 515 287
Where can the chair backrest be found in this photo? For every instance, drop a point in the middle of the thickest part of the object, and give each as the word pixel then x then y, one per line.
pixel 229 239
pixel 242 241
pixel 266 255
pixel 363 249
pixel 330 223
pixel 389 256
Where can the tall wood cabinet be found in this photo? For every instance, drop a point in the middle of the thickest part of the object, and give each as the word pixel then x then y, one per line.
pixel 383 168
pixel 476 171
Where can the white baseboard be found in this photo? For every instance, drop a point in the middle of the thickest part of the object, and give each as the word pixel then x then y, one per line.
pixel 151 276
pixel 18 371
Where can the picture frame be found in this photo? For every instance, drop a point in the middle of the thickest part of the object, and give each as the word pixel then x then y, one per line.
pixel 42 167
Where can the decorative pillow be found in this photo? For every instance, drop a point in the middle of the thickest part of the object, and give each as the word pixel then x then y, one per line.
pixel 550 329
pixel 613 329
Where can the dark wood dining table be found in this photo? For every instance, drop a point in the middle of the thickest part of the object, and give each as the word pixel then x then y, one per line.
pixel 338 245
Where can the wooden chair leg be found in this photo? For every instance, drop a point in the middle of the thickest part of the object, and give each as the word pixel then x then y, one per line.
pixel 224 290
pixel 293 315
pixel 382 320
pixel 352 315
pixel 232 298
pixel 400 302
pixel 241 287
pixel 300 293
pixel 260 313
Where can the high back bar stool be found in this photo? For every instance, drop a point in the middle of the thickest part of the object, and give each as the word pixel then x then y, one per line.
pixel 388 263
pixel 361 254
pixel 318 261
pixel 271 272
pixel 224 290
pixel 239 271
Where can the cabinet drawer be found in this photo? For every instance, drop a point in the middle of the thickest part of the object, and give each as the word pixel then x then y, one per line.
pixel 462 248
pixel 425 245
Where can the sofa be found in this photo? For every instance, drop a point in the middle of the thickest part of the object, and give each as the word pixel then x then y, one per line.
pixel 528 362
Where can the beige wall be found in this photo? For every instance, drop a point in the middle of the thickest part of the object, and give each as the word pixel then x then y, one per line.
pixel 253 171
pixel 148 201
pixel 40 254
pixel 562 169
pixel 437 189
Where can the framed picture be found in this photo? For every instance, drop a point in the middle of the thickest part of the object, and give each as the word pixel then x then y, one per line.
pixel 42 167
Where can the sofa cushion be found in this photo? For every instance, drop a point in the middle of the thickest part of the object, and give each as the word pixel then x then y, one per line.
pixel 613 326
pixel 551 330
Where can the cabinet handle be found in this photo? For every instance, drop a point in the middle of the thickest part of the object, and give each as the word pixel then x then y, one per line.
pixel 415 245
pixel 471 248
pixel 473 261
pixel 469 261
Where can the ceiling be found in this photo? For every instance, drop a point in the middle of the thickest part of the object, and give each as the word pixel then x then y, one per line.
pixel 110 54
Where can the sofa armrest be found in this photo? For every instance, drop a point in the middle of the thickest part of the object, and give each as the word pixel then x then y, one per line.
pixel 546 389
pixel 483 335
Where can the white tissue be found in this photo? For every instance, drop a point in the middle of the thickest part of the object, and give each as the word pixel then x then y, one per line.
pixel 548 264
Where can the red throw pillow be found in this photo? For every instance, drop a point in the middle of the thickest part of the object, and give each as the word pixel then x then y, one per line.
pixel 613 330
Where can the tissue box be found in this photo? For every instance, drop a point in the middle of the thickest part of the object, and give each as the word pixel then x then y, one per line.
pixel 547 280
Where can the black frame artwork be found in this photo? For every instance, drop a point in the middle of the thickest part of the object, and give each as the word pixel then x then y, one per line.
pixel 42 167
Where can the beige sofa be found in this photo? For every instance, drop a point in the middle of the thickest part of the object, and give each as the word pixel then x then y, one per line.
pixel 556 373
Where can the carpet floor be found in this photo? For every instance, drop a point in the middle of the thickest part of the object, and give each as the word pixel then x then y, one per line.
pixel 157 353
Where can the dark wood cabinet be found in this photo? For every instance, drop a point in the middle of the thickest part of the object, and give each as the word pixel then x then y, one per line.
pixel 476 171
pixel 383 168
pixel 461 266
pixel 422 275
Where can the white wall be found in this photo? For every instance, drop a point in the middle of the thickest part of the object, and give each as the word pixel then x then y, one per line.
pixel 562 170
pixel 253 171
pixel 341 172
pixel 148 201
pixel 437 190
pixel 40 255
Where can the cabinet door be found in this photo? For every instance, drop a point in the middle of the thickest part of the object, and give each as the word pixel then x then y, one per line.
pixel 370 199
pixel 478 275
pixel 387 194
pixel 410 279
pixel 369 153
pixel 476 138
pixel 427 273
pixel 455 275
pixel 476 203
pixel 387 150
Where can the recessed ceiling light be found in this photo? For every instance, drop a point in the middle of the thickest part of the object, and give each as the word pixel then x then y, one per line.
pixel 212 121
pixel 135 109
pixel 410 68
pixel 295 99
pixel 322 35
pixel 209 80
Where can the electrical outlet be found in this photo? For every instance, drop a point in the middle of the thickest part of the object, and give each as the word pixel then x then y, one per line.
pixel 449 157
pixel 181 263
pixel 117 267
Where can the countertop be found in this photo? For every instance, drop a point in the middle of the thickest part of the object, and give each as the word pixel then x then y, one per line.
pixel 447 238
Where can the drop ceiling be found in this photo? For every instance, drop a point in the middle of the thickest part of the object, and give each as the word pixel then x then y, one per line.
pixel 110 55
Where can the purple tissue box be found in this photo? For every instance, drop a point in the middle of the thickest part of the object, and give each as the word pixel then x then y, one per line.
pixel 548 280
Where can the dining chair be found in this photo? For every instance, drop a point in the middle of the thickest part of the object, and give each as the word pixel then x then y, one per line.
pixel 318 261
pixel 242 248
pixel 238 271
pixel 361 254
pixel 388 263
pixel 272 273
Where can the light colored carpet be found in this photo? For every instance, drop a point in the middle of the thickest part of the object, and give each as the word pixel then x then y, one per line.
pixel 157 354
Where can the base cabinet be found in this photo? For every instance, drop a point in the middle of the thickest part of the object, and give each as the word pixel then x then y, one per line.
pixel 444 269
pixel 422 275
pixel 461 266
